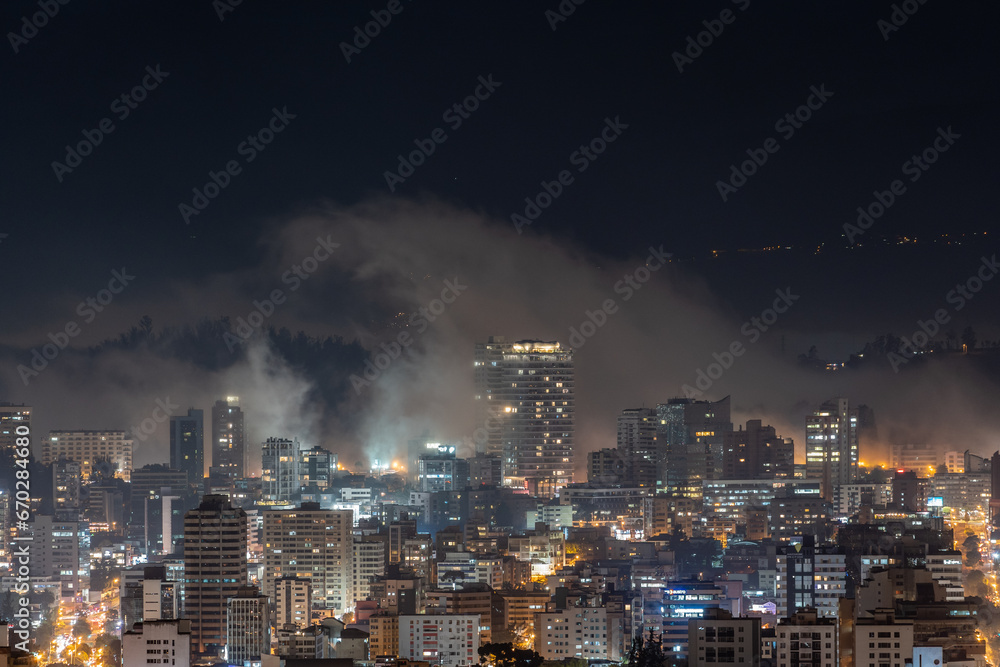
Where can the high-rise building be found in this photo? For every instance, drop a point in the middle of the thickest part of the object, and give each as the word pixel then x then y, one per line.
pixel 637 433
pixel 369 562
pixel 12 416
pixel 525 410
pixel 215 567
pixel 883 640
pixel 228 437
pixel 90 447
pixel 66 484
pixel 810 577
pixel 293 602
pixel 248 627
pixel 280 470
pixel 442 472
pixel 587 633
pixel 757 453
pixel 832 445
pixel 60 549
pixel 187 445
pixel 314 544
pixel 316 468
pixel 690 436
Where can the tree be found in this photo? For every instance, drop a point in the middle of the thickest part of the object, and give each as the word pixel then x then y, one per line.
pixel 971 547
pixel 977 585
pixel 81 628
pixel 505 655
pixel 647 653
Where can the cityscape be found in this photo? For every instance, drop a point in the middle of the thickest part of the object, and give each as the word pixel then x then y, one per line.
pixel 553 333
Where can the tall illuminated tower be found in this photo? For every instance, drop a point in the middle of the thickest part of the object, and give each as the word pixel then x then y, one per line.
pixel 832 445
pixel 525 408
pixel 228 437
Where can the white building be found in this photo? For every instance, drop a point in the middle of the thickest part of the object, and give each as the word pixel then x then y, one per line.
pixel 946 569
pixel 579 632
pixel 165 642
pixel 160 600
pixel 555 517
pixel 450 640
pixel 848 498
pixel 88 446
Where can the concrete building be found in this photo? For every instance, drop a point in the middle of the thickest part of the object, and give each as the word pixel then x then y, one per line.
pixel 720 638
pixel 662 514
pixel 280 471
pixel 60 550
pixel 810 577
pixel 473 598
pixel 882 640
pixel 293 602
pixel 215 568
pixel 368 564
pixel 849 498
pixel 525 404
pixel 805 638
pixel 187 445
pixel 446 641
pixel 314 544
pixel 757 453
pixel 88 447
pixel 832 445
pixel 383 638
pixel 316 468
pixel 545 550
pixel 228 438
pixel 637 434
pixel 248 627
pixel 691 436
pixel 66 477
pixel 555 517
pixel 12 416
pixel 589 633
pixel 166 642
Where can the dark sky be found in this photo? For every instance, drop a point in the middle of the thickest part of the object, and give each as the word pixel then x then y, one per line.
pixel 605 60
pixel 656 184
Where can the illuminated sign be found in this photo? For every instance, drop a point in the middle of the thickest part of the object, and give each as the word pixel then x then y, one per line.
pixel 935 501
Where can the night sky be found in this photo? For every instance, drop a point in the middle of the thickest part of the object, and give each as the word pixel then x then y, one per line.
pixel 888 93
